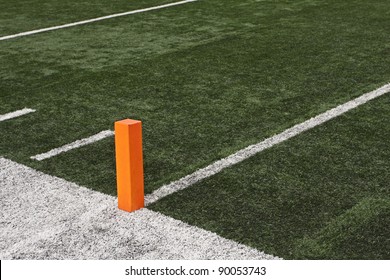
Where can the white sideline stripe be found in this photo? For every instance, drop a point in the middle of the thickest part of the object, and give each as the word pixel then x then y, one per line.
pixel 251 150
pixel 45 217
pixel 16 114
pixel 76 144
pixel 94 19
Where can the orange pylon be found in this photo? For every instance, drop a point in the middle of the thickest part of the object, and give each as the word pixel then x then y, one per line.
pixel 129 164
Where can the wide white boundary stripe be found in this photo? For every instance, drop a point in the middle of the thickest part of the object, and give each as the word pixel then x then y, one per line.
pixel 45 217
pixel 76 144
pixel 16 114
pixel 94 19
pixel 251 150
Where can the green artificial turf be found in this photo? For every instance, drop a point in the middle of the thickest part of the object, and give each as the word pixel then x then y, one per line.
pixel 206 78
pixel 362 232
pixel 19 16
pixel 321 195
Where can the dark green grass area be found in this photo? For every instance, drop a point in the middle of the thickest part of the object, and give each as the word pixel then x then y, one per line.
pixel 206 78
pixel 19 16
pixel 321 195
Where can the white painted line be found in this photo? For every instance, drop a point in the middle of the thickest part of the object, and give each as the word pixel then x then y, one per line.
pixel 76 144
pixel 45 217
pixel 251 150
pixel 94 20
pixel 16 114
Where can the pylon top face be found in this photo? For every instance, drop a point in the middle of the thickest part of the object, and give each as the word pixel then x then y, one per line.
pixel 128 121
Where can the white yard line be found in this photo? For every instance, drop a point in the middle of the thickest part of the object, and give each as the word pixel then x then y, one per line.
pixel 16 114
pixel 76 144
pixel 251 150
pixel 94 20
pixel 45 217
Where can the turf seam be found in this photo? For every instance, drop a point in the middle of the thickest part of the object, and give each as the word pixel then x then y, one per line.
pixel 32 32
pixel 254 149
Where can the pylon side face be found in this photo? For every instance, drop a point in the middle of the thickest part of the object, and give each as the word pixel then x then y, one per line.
pixel 129 165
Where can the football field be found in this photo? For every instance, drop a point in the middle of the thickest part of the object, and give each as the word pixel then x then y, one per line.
pixel 264 122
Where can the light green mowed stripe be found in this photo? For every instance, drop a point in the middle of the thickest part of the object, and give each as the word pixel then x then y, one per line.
pixel 365 224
